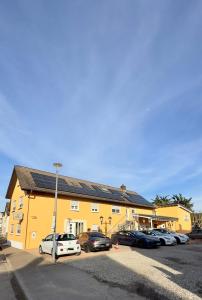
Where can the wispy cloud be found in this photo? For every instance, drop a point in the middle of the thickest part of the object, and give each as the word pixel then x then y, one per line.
pixel 106 90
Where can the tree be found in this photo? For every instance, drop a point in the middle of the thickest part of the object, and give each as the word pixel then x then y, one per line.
pixel 180 199
pixel 161 200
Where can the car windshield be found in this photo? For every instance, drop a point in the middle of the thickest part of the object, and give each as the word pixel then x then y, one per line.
pixel 137 233
pixel 65 237
pixel 157 233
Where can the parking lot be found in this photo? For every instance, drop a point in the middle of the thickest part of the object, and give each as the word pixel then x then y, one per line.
pixel 169 272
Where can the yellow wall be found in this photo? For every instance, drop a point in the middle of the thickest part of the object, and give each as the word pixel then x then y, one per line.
pixel 184 217
pixel 38 211
pixel 18 239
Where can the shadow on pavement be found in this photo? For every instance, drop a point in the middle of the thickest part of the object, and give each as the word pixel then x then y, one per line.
pixel 186 260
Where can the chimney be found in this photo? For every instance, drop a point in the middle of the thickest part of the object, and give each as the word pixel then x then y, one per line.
pixel 123 188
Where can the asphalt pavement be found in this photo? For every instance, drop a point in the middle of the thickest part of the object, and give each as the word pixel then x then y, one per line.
pixel 166 273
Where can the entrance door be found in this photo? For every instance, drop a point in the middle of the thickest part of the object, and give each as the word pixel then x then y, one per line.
pixel 75 227
pixel 72 228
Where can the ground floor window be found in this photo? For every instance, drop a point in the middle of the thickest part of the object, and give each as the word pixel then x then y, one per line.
pixel 95 227
pixel 18 229
pixel 12 229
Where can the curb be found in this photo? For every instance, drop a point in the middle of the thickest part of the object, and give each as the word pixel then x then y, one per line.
pixel 20 290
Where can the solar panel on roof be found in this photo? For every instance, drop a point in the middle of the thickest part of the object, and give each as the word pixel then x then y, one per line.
pixel 49 182
pixel 85 186
pixel 135 198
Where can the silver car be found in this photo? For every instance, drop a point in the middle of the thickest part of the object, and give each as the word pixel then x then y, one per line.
pixel 165 239
pixel 180 237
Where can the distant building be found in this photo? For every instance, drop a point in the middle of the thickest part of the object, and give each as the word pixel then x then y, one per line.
pixel 196 219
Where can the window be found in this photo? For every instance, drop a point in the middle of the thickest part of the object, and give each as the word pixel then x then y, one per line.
pixel 49 237
pixel 18 229
pixel 74 205
pixel 115 209
pixel 133 211
pixel 14 205
pixel 20 202
pixel 12 229
pixel 94 207
pixel 94 227
pixel 66 237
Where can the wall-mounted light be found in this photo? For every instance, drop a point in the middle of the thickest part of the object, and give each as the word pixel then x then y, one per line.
pixel 101 219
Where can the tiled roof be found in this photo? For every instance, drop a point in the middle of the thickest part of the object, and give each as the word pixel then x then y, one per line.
pixel 41 181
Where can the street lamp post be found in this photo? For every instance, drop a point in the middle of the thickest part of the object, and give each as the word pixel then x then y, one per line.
pixel 57 166
pixel 105 223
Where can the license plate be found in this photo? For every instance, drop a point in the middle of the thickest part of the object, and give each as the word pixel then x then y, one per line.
pixel 70 248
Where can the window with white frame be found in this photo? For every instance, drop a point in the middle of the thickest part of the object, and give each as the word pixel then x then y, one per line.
pixel 20 202
pixel 115 209
pixel 14 205
pixel 12 229
pixel 74 205
pixel 94 207
pixel 18 229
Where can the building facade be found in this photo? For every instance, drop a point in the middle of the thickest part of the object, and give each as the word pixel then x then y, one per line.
pixel 81 206
pixel 196 219
pixel 182 214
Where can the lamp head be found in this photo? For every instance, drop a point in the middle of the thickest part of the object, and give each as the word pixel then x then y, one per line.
pixel 57 165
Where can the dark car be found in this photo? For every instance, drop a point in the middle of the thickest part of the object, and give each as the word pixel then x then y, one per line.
pixel 195 234
pixel 135 238
pixel 92 241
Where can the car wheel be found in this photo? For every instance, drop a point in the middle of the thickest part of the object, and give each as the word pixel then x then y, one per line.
pixel 86 248
pixel 41 250
pixel 162 242
pixel 141 243
pixel 78 253
pixel 178 240
pixel 115 241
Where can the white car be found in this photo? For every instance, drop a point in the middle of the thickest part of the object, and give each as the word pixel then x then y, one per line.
pixel 66 244
pixel 165 239
pixel 180 237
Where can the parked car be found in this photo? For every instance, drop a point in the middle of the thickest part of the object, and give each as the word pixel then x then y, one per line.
pixel 165 239
pixel 66 244
pixel 180 237
pixel 195 234
pixel 135 238
pixel 93 241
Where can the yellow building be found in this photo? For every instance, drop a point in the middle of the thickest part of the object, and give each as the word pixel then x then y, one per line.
pixel 182 215
pixel 82 206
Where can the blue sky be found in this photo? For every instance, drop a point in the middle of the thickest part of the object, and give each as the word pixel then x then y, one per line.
pixel 112 89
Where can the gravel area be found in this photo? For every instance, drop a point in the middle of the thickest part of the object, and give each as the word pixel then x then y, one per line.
pixel 164 273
